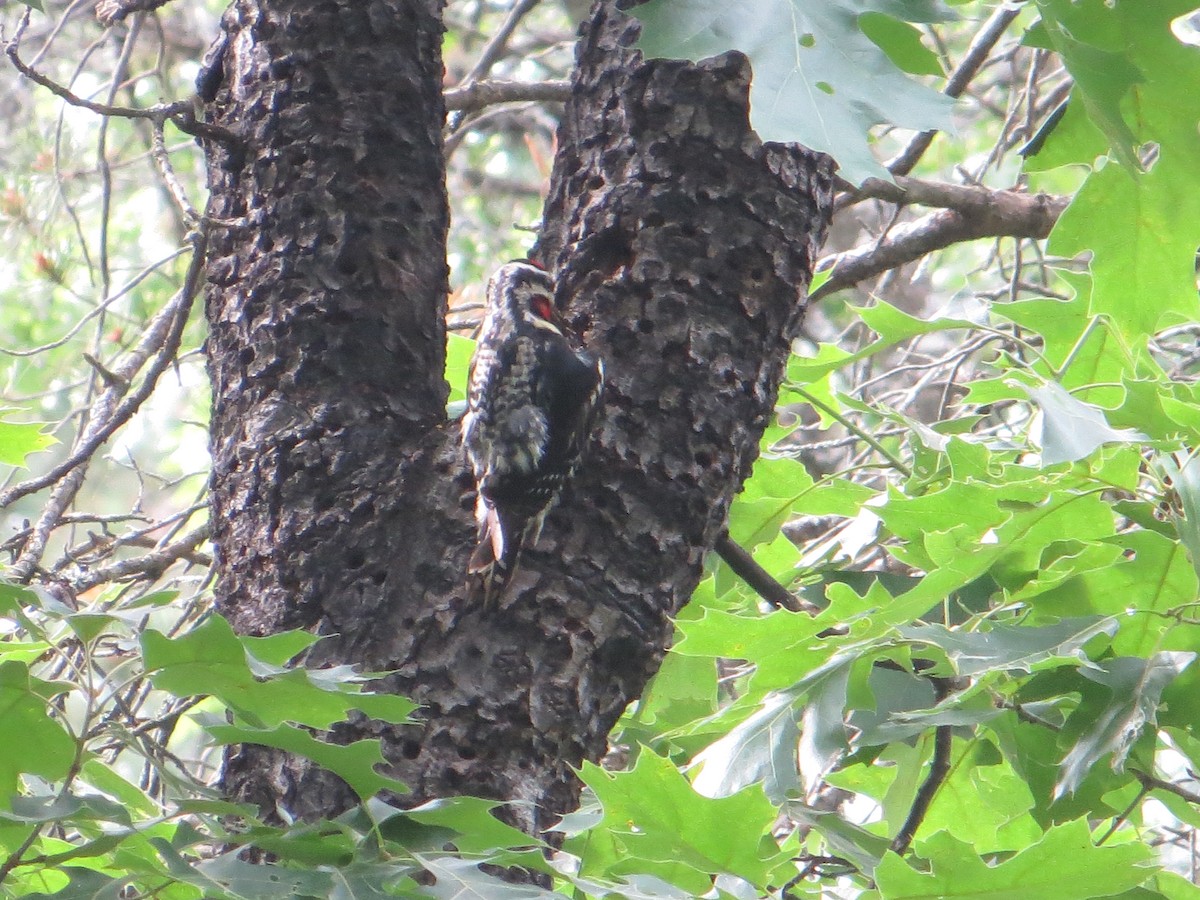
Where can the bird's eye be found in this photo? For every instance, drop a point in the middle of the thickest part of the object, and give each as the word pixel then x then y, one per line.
pixel 543 307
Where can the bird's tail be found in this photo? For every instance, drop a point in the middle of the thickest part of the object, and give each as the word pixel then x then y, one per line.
pixel 502 537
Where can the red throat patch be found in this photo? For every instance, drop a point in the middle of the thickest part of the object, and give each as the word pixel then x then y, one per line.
pixel 543 307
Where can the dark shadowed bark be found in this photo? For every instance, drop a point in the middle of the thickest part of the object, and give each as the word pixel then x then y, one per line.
pixel 325 306
pixel 683 247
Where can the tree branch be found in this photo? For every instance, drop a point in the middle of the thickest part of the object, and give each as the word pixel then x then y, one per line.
pixel 939 768
pixel 966 198
pixel 476 96
pixel 1150 782
pixel 763 582
pixel 492 52
pixel 968 213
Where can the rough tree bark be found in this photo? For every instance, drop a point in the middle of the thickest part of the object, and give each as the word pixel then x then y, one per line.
pixel 683 246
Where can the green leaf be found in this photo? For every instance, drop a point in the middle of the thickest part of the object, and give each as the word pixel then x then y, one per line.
pixel 1102 77
pixel 1094 347
pixel 1014 555
pixel 761 750
pixel 823 736
pixel 211 660
pixel 461 879
pixel 777 490
pixel 1071 429
pixel 656 815
pixel 472 822
pixel 901 42
pixel 1141 229
pixel 230 878
pixel 89 626
pixel 24 651
pixel 277 649
pixel 19 440
pixel 1185 479
pixel 1153 405
pixel 39 746
pixel 373 880
pixel 153 599
pixel 968 507
pixel 82 884
pixel 845 839
pixel 891 324
pixel 355 763
pixel 1153 576
pixel 1175 887
pixel 783 644
pixel 104 778
pixel 1020 648
pixel 55 808
pixel 818 79
pixel 317 844
pixel 632 887
pixel 896 693
pixel 1063 561
pixel 1063 865
pixel 1074 140
pixel 1136 685
pixel 459 351
pixel 684 689
pixel 985 805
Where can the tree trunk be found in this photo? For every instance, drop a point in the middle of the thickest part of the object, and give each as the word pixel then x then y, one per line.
pixel 340 498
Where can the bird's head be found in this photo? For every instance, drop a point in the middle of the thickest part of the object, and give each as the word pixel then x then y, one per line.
pixel 523 294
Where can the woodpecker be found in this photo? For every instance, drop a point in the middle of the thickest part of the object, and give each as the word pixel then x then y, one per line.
pixel 531 399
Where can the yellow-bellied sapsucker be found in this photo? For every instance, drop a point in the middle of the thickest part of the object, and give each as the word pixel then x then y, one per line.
pixel 530 404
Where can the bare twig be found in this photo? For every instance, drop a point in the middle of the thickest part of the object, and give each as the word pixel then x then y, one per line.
pixel 118 75
pixel 14 542
pixel 1158 784
pixel 150 565
pixel 762 581
pixel 492 52
pixel 1123 816
pixel 504 114
pixel 898 464
pixel 110 410
pixel 966 198
pixel 98 308
pixel 939 768
pixel 821 867
pixel 498 44
pixel 170 179
pixel 968 67
pixel 69 13
pixel 35 545
pixel 476 96
pixel 180 112
pixel 159 112
pixel 107 543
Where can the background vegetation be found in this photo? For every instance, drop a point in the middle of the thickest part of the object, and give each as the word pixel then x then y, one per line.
pixel 979 491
